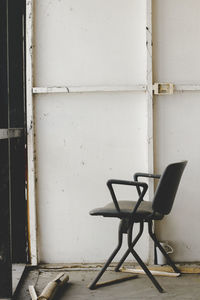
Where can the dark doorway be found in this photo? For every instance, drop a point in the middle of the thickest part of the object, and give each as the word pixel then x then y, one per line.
pixel 13 213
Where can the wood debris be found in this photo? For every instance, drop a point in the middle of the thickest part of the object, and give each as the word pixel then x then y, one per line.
pixel 50 289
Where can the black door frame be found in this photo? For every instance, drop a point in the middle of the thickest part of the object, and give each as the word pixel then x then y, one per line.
pixel 13 212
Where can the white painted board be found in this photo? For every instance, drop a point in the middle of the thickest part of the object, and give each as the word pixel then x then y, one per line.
pixel 177 138
pixel 176 45
pixel 176 59
pixel 90 42
pixel 82 140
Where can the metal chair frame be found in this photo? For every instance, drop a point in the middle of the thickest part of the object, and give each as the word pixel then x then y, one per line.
pixel 127 223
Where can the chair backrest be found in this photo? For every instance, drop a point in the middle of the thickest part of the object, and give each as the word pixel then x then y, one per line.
pixel 167 188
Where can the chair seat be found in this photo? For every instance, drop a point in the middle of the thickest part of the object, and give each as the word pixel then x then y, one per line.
pixel 126 208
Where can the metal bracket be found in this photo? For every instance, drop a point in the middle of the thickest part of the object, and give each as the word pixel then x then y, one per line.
pixel 163 88
pixel 11 133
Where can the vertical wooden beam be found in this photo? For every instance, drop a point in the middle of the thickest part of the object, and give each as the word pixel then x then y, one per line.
pixel 149 78
pixel 32 220
pixel 149 81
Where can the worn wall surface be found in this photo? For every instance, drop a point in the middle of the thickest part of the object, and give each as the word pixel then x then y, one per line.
pixel 83 139
pixel 176 59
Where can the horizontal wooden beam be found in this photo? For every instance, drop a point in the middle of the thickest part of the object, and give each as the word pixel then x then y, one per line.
pixel 187 87
pixel 122 88
pixel 88 89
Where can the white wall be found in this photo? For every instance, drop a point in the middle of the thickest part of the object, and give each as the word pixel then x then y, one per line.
pixel 83 139
pixel 177 130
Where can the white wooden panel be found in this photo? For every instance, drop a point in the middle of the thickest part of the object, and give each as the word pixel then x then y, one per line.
pixel 30 123
pixel 176 34
pixel 176 59
pixel 90 42
pixel 177 138
pixel 82 140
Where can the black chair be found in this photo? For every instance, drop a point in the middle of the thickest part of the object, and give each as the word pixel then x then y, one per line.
pixel 141 211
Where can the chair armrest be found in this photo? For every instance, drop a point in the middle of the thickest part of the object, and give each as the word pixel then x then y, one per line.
pixel 148 175
pixel 126 182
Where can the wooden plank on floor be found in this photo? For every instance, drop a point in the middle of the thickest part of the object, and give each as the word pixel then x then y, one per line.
pixel 153 272
pixel 185 269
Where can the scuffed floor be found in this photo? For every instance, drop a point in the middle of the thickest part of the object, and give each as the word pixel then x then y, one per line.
pixel 185 287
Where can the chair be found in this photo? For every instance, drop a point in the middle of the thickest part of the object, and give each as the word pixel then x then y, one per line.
pixel 140 211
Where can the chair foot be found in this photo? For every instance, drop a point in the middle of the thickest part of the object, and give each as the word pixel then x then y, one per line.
pixel 93 286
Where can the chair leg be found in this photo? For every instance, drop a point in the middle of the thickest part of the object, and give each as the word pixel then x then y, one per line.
pixel 93 285
pixel 132 245
pixel 153 236
pixel 142 264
